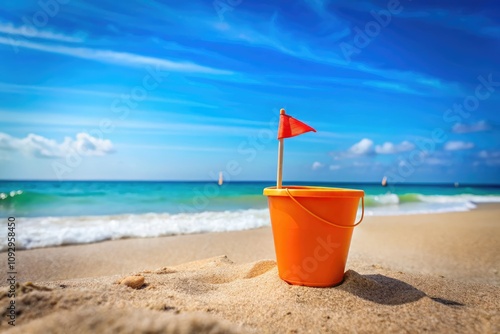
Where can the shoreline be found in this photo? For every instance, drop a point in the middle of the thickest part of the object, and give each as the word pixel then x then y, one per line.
pixel 436 273
pixel 374 240
pixel 478 206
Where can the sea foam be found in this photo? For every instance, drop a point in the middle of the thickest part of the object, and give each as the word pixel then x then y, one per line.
pixel 36 232
pixel 57 231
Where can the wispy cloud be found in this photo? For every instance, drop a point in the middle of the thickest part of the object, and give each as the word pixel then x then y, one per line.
pixel 458 146
pixel 489 154
pixel 23 89
pixel 436 161
pixel 473 127
pixel 474 23
pixel 200 128
pixel 177 148
pixel 364 147
pixel 256 30
pixel 362 164
pixel 319 7
pixel 393 86
pixel 317 165
pixel 398 84
pixel 477 23
pixel 437 158
pixel 116 58
pixel 45 119
pixel 278 39
pixel 408 81
pixel 330 24
pixel 276 35
pixel 41 147
pixel 250 29
pixel 24 31
pixel 201 125
pixel 390 148
pixel 489 158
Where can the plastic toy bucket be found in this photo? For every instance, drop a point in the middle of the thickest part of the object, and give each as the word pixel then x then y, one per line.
pixel 312 229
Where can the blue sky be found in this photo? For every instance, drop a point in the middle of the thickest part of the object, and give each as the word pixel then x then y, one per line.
pixel 171 90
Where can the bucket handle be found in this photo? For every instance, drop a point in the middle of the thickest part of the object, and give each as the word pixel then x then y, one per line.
pixel 324 220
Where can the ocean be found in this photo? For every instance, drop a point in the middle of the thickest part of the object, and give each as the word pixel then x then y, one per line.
pixel 53 213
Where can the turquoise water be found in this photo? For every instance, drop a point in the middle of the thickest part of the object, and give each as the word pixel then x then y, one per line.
pixel 40 198
pixel 58 213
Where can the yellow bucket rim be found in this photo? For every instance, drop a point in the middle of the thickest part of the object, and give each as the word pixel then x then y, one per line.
pixel 313 191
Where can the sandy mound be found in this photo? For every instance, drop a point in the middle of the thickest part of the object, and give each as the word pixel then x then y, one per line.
pixel 218 296
pixel 129 321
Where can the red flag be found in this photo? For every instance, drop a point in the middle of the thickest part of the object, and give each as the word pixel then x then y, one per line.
pixel 291 127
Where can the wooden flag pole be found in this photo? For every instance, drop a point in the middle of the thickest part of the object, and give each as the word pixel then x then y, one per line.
pixel 279 181
pixel 279 178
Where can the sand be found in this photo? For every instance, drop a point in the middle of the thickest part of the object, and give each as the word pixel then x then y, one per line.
pixel 435 273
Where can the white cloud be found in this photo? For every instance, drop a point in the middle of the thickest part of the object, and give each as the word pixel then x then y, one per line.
pixel 433 161
pixel 458 145
pixel 474 127
pixel 89 145
pixel 41 147
pixel 334 167
pixel 390 148
pixel 114 57
pixel 30 32
pixel 361 164
pixel 6 142
pixel 317 165
pixel 489 154
pixel 488 158
pixel 364 147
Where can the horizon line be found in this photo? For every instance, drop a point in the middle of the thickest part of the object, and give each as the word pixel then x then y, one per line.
pixel 263 181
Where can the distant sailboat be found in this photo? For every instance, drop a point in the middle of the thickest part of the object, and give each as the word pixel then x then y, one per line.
pixel 221 180
pixel 456 184
pixel 384 181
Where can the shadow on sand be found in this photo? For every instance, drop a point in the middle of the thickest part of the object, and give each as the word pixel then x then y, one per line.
pixel 385 290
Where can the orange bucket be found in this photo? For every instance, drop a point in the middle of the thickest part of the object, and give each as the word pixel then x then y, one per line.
pixel 312 229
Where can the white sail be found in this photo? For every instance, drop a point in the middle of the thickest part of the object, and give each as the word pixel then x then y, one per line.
pixel 384 181
pixel 221 180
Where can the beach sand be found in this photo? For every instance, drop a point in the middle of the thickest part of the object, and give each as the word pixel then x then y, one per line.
pixel 436 273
